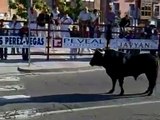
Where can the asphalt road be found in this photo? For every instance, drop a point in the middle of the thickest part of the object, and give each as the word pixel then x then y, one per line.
pixel 81 96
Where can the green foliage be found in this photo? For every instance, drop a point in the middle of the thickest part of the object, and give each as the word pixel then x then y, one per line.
pixel 21 6
pixel 73 11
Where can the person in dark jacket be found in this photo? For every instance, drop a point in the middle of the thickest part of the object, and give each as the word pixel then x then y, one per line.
pixel 24 32
pixel 42 19
pixel 3 51
pixel 125 22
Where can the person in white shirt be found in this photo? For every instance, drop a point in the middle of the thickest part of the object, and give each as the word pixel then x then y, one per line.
pixel 55 13
pixel 55 20
pixel 33 19
pixel 84 20
pixel 14 24
pixel 66 21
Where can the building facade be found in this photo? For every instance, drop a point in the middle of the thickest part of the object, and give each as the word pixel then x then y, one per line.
pixel 148 8
pixel 4 6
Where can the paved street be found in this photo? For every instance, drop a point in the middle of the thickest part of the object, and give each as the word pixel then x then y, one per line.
pixel 75 95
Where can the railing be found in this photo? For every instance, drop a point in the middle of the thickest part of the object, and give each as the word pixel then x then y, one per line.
pixel 50 31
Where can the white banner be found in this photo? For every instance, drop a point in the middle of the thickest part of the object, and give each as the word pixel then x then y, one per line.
pixel 75 42
pixel 143 44
pixel 18 42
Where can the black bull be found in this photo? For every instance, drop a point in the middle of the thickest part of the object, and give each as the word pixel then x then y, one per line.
pixel 119 65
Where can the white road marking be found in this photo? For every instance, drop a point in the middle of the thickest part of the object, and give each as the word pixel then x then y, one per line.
pixel 70 72
pixel 98 107
pixel 30 113
pixel 11 88
pixel 9 79
pixel 47 73
pixel 12 97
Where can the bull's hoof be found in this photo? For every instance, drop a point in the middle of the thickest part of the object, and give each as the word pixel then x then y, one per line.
pixel 149 93
pixel 121 93
pixel 110 92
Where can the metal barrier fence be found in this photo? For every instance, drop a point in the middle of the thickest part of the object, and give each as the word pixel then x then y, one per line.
pixel 49 31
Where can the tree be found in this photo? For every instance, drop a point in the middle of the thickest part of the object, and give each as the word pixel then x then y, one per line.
pixel 21 6
pixel 73 11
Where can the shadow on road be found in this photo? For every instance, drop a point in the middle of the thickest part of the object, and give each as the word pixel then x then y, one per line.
pixel 69 98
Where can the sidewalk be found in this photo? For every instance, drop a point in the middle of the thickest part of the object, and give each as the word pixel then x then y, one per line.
pixel 40 64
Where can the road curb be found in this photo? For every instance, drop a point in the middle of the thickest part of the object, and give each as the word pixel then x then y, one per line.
pixel 31 70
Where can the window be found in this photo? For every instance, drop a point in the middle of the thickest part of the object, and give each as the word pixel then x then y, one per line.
pixel 146 9
pixel 156 11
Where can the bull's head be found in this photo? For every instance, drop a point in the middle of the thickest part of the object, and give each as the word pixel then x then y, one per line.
pixel 97 59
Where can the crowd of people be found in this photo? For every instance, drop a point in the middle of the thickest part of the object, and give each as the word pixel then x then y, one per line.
pixel 63 25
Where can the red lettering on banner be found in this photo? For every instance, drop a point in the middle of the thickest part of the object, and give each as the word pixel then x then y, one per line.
pixel 57 43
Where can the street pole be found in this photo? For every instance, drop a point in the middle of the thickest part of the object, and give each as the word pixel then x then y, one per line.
pixel 107 24
pixel 29 22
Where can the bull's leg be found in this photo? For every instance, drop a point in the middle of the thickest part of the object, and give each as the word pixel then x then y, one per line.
pixel 152 82
pixel 121 86
pixel 149 91
pixel 113 85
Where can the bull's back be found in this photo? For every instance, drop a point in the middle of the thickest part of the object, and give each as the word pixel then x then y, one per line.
pixel 141 63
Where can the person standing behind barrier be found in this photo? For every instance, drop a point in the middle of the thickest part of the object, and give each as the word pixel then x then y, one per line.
pixel 23 33
pixel 94 23
pixel 3 51
pixel 15 25
pixel 65 21
pixel 55 21
pixel 42 19
pixel 125 22
pixel 110 21
pixel 148 31
pixel 74 33
pixel 33 18
pixel 116 25
pixel 84 20
pixel 154 37
pixel 134 14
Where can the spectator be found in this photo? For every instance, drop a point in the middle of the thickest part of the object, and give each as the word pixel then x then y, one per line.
pixel 6 18
pixel 66 21
pixel 94 22
pixel 135 15
pixel 23 33
pixel 116 28
pixel 154 37
pixel 42 19
pixel 15 25
pixel 3 51
pixel 84 20
pixel 55 14
pixel 74 33
pixel 110 17
pixel 33 18
pixel 110 20
pixel 125 22
pixel 148 31
pixel 55 21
